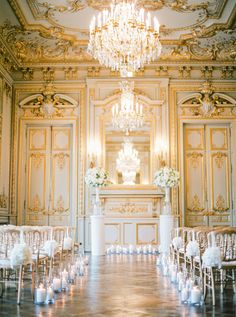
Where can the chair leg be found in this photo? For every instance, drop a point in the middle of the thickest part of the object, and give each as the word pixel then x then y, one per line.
pixel 213 287
pixel 221 282
pixel 233 280
pixel 205 283
pixel 19 284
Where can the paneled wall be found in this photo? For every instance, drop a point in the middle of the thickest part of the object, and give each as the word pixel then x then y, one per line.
pixel 43 156
pixel 5 143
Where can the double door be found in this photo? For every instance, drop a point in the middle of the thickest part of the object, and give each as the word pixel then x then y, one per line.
pixel 207 175
pixel 48 177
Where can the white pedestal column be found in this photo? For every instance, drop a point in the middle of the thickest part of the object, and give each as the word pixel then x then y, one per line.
pixel 166 226
pixel 97 235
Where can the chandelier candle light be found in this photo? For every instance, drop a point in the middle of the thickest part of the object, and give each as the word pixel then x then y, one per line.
pixel 124 38
pixel 129 114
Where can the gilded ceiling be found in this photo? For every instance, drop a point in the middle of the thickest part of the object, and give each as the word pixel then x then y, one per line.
pixel 36 32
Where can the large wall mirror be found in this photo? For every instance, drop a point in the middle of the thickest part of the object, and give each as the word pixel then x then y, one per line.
pixel 141 140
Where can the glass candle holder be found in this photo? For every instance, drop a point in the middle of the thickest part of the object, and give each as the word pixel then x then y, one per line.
pixel 50 294
pixel 56 282
pixel 40 294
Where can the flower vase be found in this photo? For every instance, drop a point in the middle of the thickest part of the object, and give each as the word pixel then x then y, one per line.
pixel 167 204
pixel 97 204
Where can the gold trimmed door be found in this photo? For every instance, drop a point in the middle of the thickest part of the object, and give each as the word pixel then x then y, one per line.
pixel 207 174
pixel 48 175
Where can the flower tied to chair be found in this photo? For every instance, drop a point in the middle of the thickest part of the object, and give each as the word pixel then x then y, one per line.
pixel 177 243
pixel 68 242
pixel 192 249
pixel 211 257
pixel 21 253
pixel 50 247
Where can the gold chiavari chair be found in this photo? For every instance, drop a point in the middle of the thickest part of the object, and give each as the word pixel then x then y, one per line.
pixel 225 240
pixel 11 239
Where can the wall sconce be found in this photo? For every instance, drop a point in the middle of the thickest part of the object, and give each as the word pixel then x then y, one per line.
pixel 161 153
pixel 93 153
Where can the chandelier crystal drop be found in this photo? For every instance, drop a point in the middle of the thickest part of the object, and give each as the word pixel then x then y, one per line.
pixel 128 114
pixel 128 162
pixel 124 38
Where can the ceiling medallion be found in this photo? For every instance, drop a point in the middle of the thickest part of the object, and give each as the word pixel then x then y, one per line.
pixel 128 115
pixel 128 162
pixel 124 38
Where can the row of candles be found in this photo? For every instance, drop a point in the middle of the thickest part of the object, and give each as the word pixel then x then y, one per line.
pixel 45 292
pixel 131 249
pixel 190 289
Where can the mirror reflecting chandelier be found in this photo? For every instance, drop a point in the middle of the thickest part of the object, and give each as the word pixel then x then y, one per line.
pixel 128 115
pixel 128 162
pixel 124 38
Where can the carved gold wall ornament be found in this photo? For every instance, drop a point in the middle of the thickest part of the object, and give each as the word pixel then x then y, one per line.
pixel 219 159
pixel 60 204
pixel 3 200
pixel 129 208
pixel 220 204
pixel 48 104
pixel 195 204
pixel 61 159
pixel 37 159
pixel 36 204
pixel 208 104
pixel 195 159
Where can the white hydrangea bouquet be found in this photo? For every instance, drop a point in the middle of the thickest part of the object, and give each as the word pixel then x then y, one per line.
pixel 96 177
pixel 166 177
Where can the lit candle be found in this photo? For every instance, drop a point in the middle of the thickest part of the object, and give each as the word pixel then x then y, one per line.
pixel 184 294
pixel 156 25
pixel 64 283
pixel 99 21
pixel 56 284
pixel 165 270
pixel 81 270
pixel 65 274
pixel 173 276
pixel 141 109
pixel 40 294
pixel 131 249
pixel 180 285
pixel 50 294
pixel 138 250
pixel 142 15
pixel 158 261
pixel 149 248
pixel 113 111
pixel 144 249
pixel 195 296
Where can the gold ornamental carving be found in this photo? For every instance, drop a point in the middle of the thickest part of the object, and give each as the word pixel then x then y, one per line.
pixel 194 159
pixel 48 104
pixel 60 204
pixel 37 159
pixel 195 204
pixel 36 204
pixel 3 200
pixel 61 159
pixel 219 159
pixel 220 204
pixel 208 104
pixel 130 208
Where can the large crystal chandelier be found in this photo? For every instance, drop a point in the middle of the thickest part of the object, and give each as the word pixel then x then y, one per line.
pixel 128 162
pixel 124 38
pixel 128 114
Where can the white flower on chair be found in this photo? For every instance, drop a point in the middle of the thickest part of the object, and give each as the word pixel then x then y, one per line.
pixel 211 257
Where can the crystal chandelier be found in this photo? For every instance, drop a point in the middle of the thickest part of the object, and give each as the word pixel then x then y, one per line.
pixel 124 38
pixel 128 162
pixel 128 115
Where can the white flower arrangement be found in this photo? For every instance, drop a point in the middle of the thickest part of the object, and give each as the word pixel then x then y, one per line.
pixel 166 177
pixel 20 255
pixel 211 257
pixel 96 177
pixel 192 249
pixel 177 243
